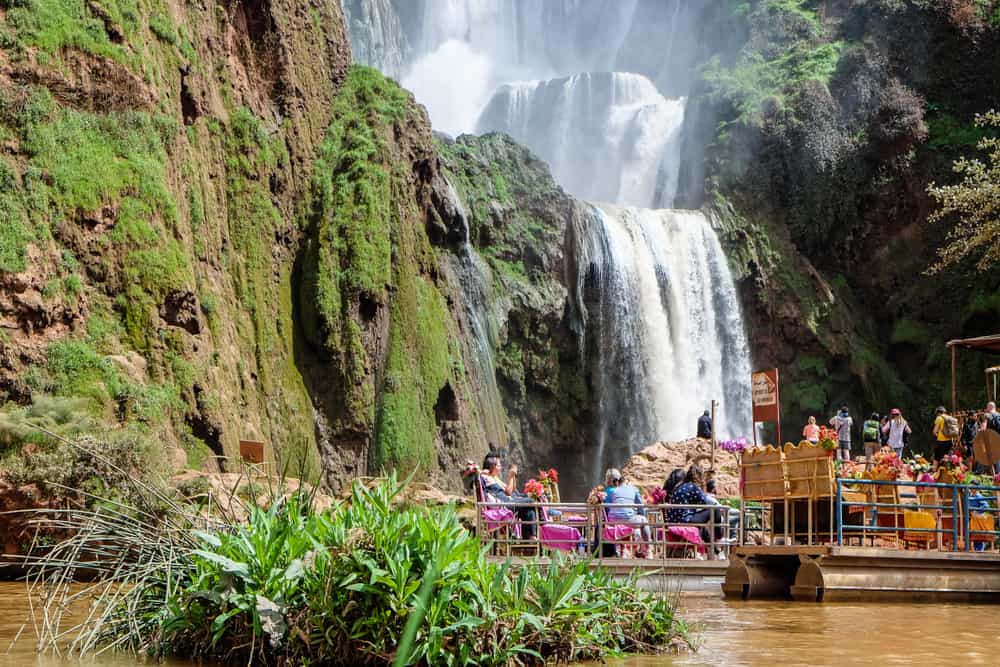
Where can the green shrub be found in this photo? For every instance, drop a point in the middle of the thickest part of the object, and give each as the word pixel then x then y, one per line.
pixel 106 467
pixel 293 586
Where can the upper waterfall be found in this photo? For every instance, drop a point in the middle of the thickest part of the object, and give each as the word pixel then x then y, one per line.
pixel 607 137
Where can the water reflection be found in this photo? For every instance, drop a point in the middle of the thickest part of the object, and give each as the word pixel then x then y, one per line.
pixel 751 634
pixel 733 634
pixel 15 623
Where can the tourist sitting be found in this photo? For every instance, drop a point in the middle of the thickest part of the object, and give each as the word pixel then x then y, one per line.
pixel 691 493
pixel 674 479
pixel 621 500
pixel 498 492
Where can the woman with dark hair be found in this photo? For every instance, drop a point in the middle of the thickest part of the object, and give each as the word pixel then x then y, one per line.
pixel 674 479
pixel 691 493
pixel 498 492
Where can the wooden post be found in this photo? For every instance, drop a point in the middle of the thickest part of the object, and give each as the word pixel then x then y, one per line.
pixel 954 395
pixel 715 440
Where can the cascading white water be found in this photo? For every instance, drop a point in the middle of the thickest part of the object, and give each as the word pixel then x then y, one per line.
pixel 663 320
pixel 607 137
pixel 596 88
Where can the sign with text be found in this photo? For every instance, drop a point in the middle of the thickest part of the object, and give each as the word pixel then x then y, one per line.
pixel 764 386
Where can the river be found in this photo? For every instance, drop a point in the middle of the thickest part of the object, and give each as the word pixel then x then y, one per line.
pixel 733 634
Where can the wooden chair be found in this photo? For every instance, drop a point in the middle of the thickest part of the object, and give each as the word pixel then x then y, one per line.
pixel 809 471
pixel 763 476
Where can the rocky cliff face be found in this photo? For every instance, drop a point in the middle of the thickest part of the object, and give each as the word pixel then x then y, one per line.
pixel 153 157
pixel 821 132
pixel 215 229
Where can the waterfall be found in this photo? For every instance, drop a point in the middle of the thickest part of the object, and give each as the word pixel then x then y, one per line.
pixel 607 137
pixel 663 321
pixel 596 88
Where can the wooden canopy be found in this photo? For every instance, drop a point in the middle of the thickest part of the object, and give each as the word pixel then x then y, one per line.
pixel 982 343
pixel 989 344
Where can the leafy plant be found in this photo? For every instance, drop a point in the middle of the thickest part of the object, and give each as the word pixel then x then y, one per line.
pixel 367 582
pixel 975 201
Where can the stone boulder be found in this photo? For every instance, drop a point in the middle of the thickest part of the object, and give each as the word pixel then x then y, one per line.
pixel 650 467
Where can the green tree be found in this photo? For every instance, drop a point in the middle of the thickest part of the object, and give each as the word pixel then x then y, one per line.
pixel 976 203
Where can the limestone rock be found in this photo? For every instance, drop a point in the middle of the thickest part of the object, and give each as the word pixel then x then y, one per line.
pixel 650 467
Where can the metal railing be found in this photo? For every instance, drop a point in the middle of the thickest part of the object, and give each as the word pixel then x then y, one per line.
pixel 953 504
pixel 605 535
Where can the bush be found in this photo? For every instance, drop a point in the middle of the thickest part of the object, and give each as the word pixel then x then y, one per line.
pixel 294 586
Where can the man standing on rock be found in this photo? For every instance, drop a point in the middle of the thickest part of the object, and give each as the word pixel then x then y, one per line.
pixel 842 423
pixel 705 426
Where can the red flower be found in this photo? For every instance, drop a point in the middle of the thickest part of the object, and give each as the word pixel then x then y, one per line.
pixel 534 488
pixel 553 475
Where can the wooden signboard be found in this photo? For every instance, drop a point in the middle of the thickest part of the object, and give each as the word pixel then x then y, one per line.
pixel 766 398
pixel 252 451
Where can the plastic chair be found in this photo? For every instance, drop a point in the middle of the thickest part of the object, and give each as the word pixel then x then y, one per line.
pixel 500 521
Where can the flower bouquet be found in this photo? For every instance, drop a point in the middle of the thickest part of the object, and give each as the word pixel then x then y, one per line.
pixel 469 474
pixel 535 489
pixel 549 479
pixel 888 465
pixel 734 446
pixel 596 495
pixel 827 439
pixel 951 468
pixel 917 466
pixel 656 497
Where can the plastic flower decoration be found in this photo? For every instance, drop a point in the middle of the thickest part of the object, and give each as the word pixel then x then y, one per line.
pixel 596 495
pixel 887 464
pixel 657 496
pixel 735 446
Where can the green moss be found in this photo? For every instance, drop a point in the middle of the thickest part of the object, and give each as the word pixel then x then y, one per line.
pixel 419 365
pixel 949 133
pixel 163 28
pixel 352 210
pixel 75 368
pixel 52 25
pixel 909 331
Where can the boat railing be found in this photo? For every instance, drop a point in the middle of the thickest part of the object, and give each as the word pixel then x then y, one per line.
pixel 919 512
pixel 602 530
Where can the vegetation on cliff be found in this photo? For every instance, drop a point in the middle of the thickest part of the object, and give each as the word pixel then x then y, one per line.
pixel 295 586
pixel 975 201
pixel 823 125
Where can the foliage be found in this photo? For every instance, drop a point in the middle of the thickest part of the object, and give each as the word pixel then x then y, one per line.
pixel 294 586
pixel 94 468
pixel 52 25
pixel 975 201
pixel 760 77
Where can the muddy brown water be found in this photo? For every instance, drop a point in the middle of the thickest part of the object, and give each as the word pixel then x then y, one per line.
pixel 733 634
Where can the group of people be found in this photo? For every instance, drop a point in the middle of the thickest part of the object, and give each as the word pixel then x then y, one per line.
pixel 894 431
pixel 623 500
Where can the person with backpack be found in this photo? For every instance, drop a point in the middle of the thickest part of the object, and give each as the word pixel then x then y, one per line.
pixel 842 423
pixel 945 430
pixel 896 432
pixel 870 433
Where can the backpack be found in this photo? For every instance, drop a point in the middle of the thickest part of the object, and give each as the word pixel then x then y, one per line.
pixel 950 428
pixel 871 431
